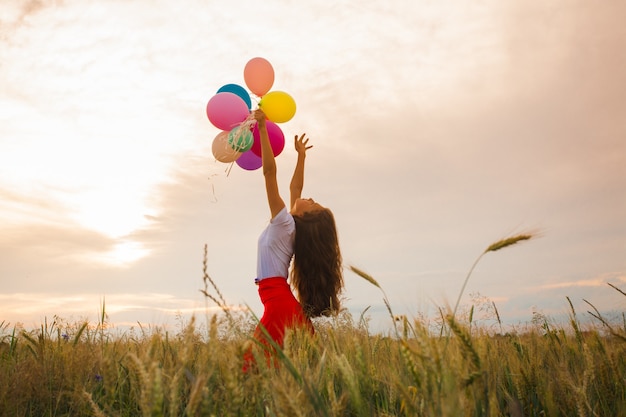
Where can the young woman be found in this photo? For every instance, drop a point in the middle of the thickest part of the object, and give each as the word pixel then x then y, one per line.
pixel 306 233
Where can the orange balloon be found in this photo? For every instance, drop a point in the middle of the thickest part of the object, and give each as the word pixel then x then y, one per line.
pixel 222 151
pixel 259 75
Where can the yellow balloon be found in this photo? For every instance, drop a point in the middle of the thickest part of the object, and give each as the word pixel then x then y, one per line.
pixel 278 106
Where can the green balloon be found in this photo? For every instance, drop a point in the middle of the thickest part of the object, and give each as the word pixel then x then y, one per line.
pixel 240 139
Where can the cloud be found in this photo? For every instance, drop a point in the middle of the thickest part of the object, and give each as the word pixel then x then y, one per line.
pixel 598 281
pixel 14 13
pixel 81 134
pixel 49 257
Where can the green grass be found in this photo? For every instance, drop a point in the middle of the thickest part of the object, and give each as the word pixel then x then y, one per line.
pixel 85 369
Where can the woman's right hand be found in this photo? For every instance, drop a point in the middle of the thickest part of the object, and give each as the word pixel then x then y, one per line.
pixel 259 116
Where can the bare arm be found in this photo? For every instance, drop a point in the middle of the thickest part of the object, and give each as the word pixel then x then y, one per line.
pixel 274 199
pixel 297 181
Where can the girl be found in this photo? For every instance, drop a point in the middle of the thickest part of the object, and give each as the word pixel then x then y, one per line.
pixel 307 233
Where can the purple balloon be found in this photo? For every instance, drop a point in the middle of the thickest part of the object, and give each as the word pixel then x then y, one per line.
pixel 275 135
pixel 249 161
pixel 226 110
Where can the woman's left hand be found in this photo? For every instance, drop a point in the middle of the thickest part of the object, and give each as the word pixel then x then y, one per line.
pixel 301 144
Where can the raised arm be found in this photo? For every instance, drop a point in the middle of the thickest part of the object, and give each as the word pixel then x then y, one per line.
pixel 274 199
pixel 297 181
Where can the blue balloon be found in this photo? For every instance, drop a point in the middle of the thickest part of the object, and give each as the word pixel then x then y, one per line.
pixel 239 90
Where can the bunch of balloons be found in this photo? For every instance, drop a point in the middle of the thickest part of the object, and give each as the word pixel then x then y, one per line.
pixel 230 111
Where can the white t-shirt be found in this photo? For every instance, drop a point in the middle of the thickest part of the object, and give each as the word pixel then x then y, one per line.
pixel 275 247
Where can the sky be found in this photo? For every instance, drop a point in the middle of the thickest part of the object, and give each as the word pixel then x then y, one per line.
pixel 439 127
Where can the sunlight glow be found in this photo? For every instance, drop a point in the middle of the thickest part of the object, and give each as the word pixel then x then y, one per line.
pixel 123 254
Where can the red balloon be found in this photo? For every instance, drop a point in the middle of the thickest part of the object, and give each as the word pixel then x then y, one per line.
pixel 276 136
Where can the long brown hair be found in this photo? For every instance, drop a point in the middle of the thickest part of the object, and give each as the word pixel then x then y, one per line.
pixel 317 273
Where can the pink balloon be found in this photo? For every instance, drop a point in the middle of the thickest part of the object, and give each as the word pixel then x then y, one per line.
pixel 249 161
pixel 226 110
pixel 276 136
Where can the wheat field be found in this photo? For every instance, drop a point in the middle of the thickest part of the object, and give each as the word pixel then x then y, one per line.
pixel 453 366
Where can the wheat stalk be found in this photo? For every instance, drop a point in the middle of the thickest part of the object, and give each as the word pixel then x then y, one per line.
pixel 375 283
pixel 496 246
pixel 220 301
pixel 97 412
pixel 366 276
pixel 501 244
pixel 615 288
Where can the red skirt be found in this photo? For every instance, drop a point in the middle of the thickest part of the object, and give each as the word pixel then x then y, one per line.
pixel 281 311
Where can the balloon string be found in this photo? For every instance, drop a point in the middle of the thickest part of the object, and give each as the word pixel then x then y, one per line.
pixel 214 199
pixel 246 125
pixel 228 168
pixel 257 101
